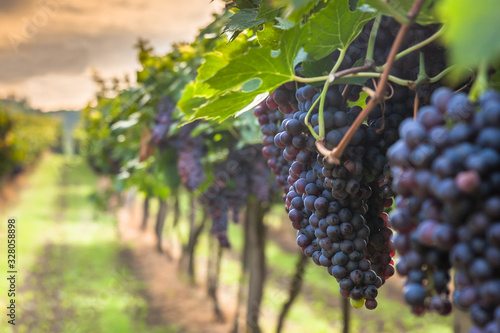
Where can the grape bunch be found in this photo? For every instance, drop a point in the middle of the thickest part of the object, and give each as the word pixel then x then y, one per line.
pixel 235 179
pixel 446 170
pixel 218 210
pixel 163 120
pixel 328 204
pixel 190 149
pixel 190 152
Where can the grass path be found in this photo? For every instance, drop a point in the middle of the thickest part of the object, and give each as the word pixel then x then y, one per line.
pixel 74 274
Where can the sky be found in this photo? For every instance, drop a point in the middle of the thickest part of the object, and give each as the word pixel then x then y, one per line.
pixel 49 48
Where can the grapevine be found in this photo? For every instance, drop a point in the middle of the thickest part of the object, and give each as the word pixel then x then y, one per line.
pixel 371 120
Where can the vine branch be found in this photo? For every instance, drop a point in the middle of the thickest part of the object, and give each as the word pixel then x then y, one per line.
pixel 395 79
pixel 351 72
pixel 392 78
pixel 371 42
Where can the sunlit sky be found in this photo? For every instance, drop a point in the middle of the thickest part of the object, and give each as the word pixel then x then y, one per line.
pixel 48 48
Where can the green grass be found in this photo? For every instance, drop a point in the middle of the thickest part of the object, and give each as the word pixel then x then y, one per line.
pixel 73 274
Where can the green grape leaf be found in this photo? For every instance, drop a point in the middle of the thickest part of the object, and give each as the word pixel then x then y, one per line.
pixel 317 68
pixel 227 105
pixel 167 175
pixel 284 24
pixel 220 57
pixel 250 16
pixel 251 76
pixel 251 85
pixel 269 36
pixel 192 98
pixel 234 49
pixel 172 178
pixel 248 129
pixel 272 68
pixel 267 12
pixel 334 27
pixel 247 3
pixel 244 19
pixel 197 93
pixel 142 76
pixel 353 5
pixel 361 102
pixel 213 63
pixel 495 78
pixel 399 9
pixel 469 33
pixel 124 124
pixel 296 9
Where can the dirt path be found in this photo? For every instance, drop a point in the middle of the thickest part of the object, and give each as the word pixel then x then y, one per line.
pixel 171 299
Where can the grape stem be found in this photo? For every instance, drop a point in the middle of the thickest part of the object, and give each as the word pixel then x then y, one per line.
pixel 334 155
pixel 422 74
pixel 360 72
pixel 371 41
pixel 441 75
pixel 321 100
pixel 351 71
pixel 310 79
pixel 346 92
pixel 481 83
pixel 415 106
pixel 332 76
pixel 397 80
pixel 398 16
pixel 369 91
pixel 234 133
pixel 308 124
pixel 325 90
pixel 392 78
